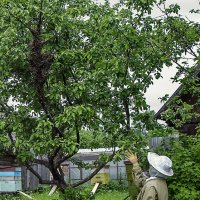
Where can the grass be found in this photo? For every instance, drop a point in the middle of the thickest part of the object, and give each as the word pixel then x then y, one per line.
pixel 112 191
pixel 44 196
pixel 106 195
pixel 111 195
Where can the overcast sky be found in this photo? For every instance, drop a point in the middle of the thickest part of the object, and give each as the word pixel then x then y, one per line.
pixel 165 86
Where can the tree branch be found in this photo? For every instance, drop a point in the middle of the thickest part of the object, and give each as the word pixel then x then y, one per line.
pixel 126 107
pixel 41 181
pixel 193 53
pixel 77 134
pixel 11 138
pixel 41 162
pixel 61 171
pixel 66 157
pixel 93 173
pixel 6 108
pixel 163 52
pixel 40 17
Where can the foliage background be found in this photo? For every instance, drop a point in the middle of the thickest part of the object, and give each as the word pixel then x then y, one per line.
pixel 80 70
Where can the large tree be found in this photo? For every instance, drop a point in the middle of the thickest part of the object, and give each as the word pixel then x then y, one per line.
pixel 74 65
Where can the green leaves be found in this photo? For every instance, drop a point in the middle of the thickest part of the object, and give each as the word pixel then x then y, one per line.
pixel 73 66
pixel 179 112
pixel 173 8
pixel 186 165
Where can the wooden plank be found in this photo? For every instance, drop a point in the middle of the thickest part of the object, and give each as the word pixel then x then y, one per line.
pixel 10 178
pixel 34 182
pixel 10 186
pixel 10 173
pixel 53 189
pixel 95 188
pixel 26 195
pixel 19 169
pixel 7 168
pixel 28 179
pixel 24 178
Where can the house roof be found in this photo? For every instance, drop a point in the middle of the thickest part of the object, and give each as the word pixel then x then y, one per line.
pixel 96 151
pixel 176 93
pixel 164 107
pixel 88 154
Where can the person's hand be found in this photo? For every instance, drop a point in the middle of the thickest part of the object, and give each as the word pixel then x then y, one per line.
pixel 132 157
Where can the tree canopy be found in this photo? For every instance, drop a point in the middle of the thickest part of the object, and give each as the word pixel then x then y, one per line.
pixel 73 66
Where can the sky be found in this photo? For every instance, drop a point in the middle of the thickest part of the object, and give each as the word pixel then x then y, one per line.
pixel 164 85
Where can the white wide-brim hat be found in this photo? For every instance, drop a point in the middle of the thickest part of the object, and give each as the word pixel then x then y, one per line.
pixel 161 163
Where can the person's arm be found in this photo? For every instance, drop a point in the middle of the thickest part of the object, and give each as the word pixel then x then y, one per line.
pixel 138 176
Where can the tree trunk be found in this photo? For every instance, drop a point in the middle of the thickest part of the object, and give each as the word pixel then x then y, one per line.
pixel 59 179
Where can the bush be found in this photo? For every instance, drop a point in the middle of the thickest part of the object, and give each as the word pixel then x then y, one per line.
pixel 10 197
pixel 81 193
pixel 84 193
pixel 113 185
pixel 185 155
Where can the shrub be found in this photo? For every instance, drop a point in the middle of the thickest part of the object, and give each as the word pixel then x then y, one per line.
pixel 10 197
pixel 118 185
pixel 185 155
pixel 81 193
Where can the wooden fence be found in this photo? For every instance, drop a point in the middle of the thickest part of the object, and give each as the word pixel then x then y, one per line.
pixel 73 173
pixel 30 181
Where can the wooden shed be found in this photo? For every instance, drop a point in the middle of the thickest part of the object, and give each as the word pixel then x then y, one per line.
pixel 190 126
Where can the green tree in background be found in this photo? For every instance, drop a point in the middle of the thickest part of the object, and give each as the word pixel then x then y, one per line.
pixel 74 65
pixel 186 163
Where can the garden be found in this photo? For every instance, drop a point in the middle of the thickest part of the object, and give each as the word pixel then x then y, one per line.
pixel 114 190
pixel 74 75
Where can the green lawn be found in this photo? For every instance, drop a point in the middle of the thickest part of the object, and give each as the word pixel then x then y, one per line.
pixel 107 195
pixel 111 195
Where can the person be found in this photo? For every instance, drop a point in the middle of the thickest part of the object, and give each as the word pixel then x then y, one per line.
pixel 154 187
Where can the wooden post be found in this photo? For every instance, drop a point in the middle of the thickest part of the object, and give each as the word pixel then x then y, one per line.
pixel 24 178
pixel 26 195
pixel 69 173
pixel 53 189
pixel 117 171
pixel 132 188
pixel 95 188
pixel 81 174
